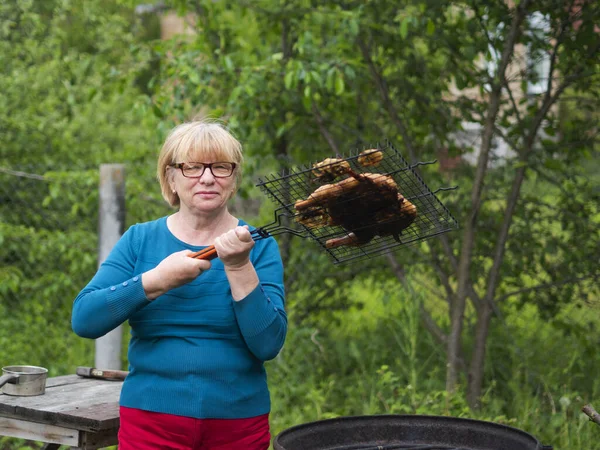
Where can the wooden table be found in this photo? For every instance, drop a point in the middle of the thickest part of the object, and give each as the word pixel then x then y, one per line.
pixel 82 413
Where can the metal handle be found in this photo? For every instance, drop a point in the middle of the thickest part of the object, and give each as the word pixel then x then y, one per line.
pixel 208 253
pixel 6 378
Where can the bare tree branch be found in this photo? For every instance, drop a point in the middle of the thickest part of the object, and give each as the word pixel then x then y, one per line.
pixel 343 126
pixel 506 139
pixel 473 296
pixel 559 39
pixel 313 338
pixel 398 270
pixel 430 325
pixel 438 334
pixel 513 102
pixel 477 361
pixel 487 37
pixel 17 173
pixel 443 276
pixel 591 413
pixel 544 286
pixel 323 129
pixel 436 293
pixel 549 100
pixel 387 101
pixel 448 251
pixel 552 180
pixel 454 341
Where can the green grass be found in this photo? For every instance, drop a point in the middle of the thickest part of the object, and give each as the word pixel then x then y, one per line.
pixel 376 358
pixel 379 360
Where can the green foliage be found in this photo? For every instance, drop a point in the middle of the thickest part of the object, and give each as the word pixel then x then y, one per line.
pixel 297 78
pixel 365 364
pixel 69 101
pixel 78 109
pixel 86 83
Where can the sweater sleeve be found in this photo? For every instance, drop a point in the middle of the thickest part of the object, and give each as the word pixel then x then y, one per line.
pixel 113 294
pixel 261 315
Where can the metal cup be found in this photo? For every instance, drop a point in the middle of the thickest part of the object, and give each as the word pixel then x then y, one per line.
pixel 23 380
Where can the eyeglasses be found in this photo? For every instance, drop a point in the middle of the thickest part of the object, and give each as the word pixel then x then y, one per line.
pixel 196 169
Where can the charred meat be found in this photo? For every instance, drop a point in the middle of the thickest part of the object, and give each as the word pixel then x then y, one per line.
pixel 357 185
pixel 313 217
pixel 366 205
pixel 330 168
pixel 370 157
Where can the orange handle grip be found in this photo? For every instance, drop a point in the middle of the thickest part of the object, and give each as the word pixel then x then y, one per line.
pixel 208 253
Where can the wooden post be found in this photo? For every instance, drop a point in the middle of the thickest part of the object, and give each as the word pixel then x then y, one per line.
pixel 111 226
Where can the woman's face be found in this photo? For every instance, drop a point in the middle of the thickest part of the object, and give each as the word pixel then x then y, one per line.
pixel 203 192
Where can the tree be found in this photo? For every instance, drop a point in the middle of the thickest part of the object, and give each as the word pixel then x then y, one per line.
pixel 69 102
pixel 573 59
pixel 294 77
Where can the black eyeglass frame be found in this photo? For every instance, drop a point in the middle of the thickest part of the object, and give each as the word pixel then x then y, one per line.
pixel 205 166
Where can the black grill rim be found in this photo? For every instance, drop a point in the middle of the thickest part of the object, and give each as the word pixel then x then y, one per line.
pixel 285 437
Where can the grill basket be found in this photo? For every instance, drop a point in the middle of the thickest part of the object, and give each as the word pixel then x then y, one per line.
pixel 432 219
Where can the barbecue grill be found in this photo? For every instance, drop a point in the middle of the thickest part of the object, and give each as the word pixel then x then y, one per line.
pixel 379 209
pixel 406 432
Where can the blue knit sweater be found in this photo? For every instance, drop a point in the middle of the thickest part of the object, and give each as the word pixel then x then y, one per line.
pixel 194 351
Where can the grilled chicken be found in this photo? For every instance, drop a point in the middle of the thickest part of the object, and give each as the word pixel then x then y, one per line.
pixel 359 182
pixel 330 168
pixel 389 221
pixel 366 205
pixel 370 157
pixel 350 240
pixel 313 217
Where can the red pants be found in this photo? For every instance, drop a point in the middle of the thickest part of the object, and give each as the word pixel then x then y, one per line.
pixel 145 430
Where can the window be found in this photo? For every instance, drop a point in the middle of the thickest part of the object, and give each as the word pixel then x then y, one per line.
pixel 538 57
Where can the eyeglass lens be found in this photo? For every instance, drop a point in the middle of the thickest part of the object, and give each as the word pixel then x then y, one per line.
pixel 218 169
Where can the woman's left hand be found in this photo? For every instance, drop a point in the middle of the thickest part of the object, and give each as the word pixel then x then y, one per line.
pixel 234 247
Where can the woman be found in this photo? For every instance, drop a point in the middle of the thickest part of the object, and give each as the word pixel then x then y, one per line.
pixel 200 330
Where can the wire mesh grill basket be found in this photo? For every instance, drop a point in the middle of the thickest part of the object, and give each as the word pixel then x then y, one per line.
pixel 298 185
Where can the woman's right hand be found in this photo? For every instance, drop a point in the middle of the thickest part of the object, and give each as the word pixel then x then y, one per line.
pixel 175 270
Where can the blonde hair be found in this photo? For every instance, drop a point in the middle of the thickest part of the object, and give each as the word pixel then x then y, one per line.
pixel 195 142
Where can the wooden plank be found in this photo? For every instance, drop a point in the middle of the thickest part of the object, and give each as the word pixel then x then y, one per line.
pixel 71 401
pixel 67 388
pixel 66 380
pixel 86 422
pixel 106 414
pixel 67 397
pixel 38 432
